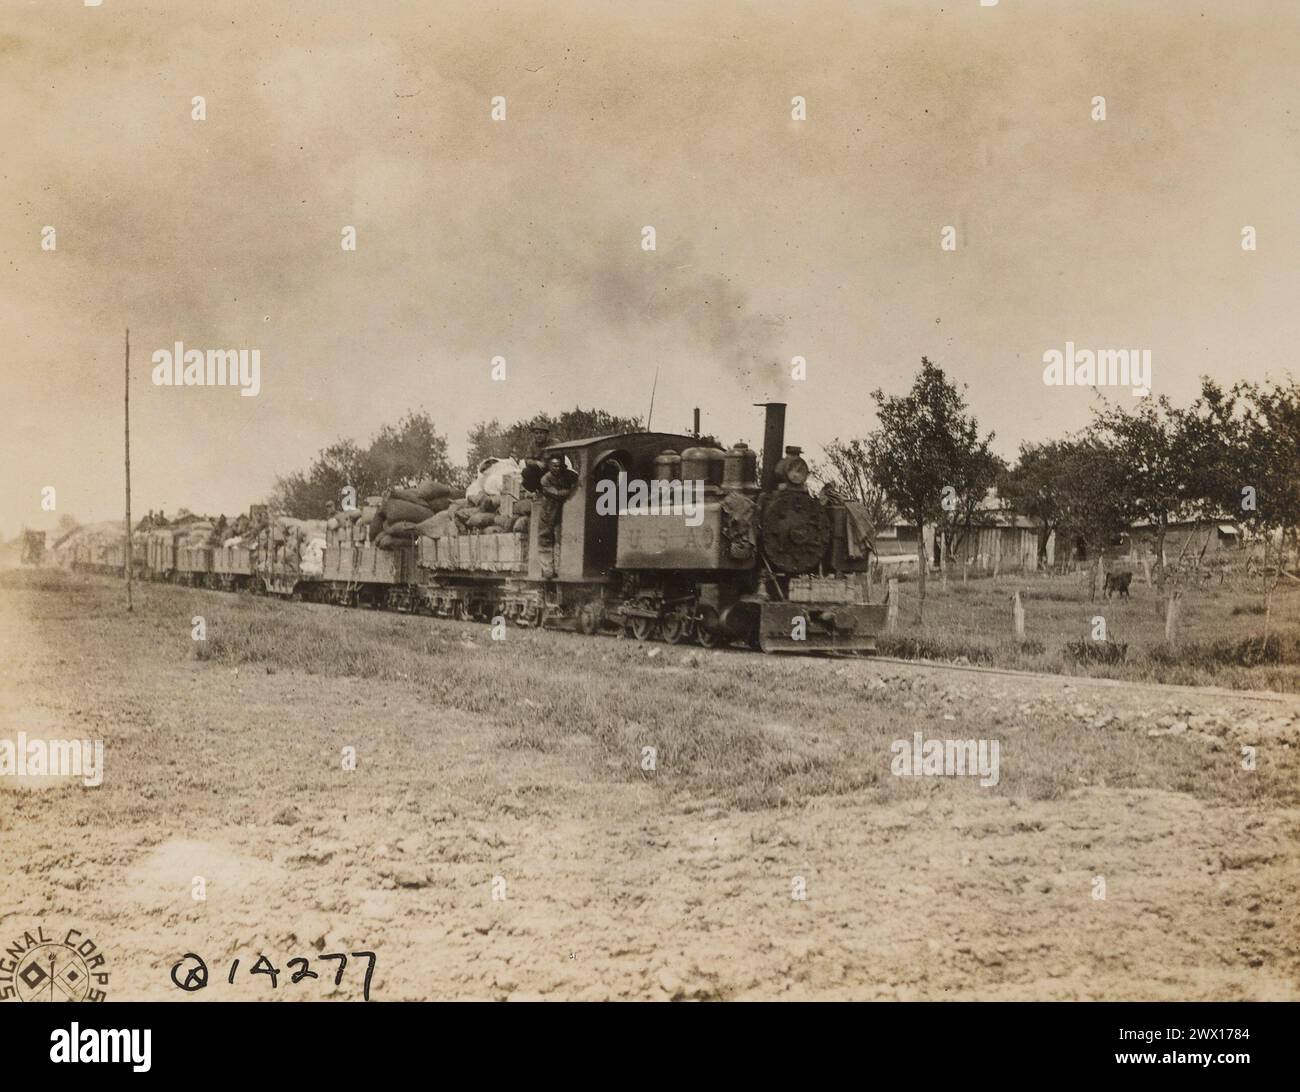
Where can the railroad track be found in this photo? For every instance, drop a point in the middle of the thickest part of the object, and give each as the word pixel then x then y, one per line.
pixel 1270 696
pixel 1089 680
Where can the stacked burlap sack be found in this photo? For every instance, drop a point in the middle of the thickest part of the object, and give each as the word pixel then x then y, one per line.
pixel 486 517
pixel 433 510
pixel 481 510
pixel 295 544
pixel 396 520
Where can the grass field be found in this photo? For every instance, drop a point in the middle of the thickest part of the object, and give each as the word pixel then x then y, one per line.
pixel 526 760
pixel 543 688
pixel 1219 637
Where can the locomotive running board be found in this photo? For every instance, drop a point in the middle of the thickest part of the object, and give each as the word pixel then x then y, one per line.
pixel 817 627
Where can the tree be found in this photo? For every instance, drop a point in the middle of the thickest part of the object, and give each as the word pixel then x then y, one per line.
pixel 1156 445
pixel 397 456
pixel 1217 438
pixel 306 494
pixel 1251 466
pixel 1095 504
pixel 1247 441
pixel 925 448
pixel 1238 455
pixel 491 439
pixel 849 469
pixel 1272 468
pixel 1033 488
pixel 972 479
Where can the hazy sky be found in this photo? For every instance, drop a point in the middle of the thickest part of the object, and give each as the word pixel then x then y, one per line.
pixel 522 238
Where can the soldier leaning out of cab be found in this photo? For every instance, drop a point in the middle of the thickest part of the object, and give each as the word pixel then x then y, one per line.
pixel 556 486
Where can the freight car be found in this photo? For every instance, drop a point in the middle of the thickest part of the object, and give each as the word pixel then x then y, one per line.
pixel 745 554
pixel 109 556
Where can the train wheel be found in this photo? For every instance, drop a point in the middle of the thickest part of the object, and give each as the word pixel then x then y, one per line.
pixel 707 637
pixel 589 617
pixel 643 628
pixel 707 632
pixel 678 627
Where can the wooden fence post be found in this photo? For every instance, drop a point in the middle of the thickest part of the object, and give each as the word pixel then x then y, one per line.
pixel 891 613
pixel 1171 616
pixel 1017 616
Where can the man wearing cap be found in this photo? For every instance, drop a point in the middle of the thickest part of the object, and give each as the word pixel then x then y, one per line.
pixel 535 461
pixel 556 487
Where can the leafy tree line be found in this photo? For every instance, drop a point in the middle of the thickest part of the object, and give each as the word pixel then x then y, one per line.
pixel 489 439
pixel 1233 452
pixel 398 456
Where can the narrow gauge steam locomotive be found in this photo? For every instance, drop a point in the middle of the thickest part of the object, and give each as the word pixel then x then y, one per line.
pixel 761 561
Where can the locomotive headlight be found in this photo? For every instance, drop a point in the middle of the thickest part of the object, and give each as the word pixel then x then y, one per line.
pixel 796 471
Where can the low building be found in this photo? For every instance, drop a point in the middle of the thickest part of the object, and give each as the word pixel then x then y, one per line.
pixel 896 547
pixel 1188 539
pixel 997 541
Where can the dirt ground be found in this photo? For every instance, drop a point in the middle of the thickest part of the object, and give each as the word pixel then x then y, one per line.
pixel 623 883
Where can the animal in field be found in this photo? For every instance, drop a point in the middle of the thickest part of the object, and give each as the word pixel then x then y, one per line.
pixel 1118 582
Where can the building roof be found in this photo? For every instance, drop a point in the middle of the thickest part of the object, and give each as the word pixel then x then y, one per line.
pixel 1193 521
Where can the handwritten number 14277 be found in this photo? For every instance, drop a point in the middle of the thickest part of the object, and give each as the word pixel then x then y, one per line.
pixel 195 976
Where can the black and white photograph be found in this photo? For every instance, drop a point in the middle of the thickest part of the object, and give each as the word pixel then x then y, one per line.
pixel 652 501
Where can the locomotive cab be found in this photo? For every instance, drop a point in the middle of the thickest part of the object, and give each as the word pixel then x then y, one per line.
pixel 587 540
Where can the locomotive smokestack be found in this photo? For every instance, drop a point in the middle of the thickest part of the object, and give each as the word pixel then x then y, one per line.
pixel 773 441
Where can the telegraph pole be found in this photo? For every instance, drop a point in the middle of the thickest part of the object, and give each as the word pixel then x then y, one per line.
pixel 653 387
pixel 126 400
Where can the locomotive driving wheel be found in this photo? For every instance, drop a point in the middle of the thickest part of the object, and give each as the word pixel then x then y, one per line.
pixel 642 628
pixel 707 631
pixel 707 638
pixel 678 627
